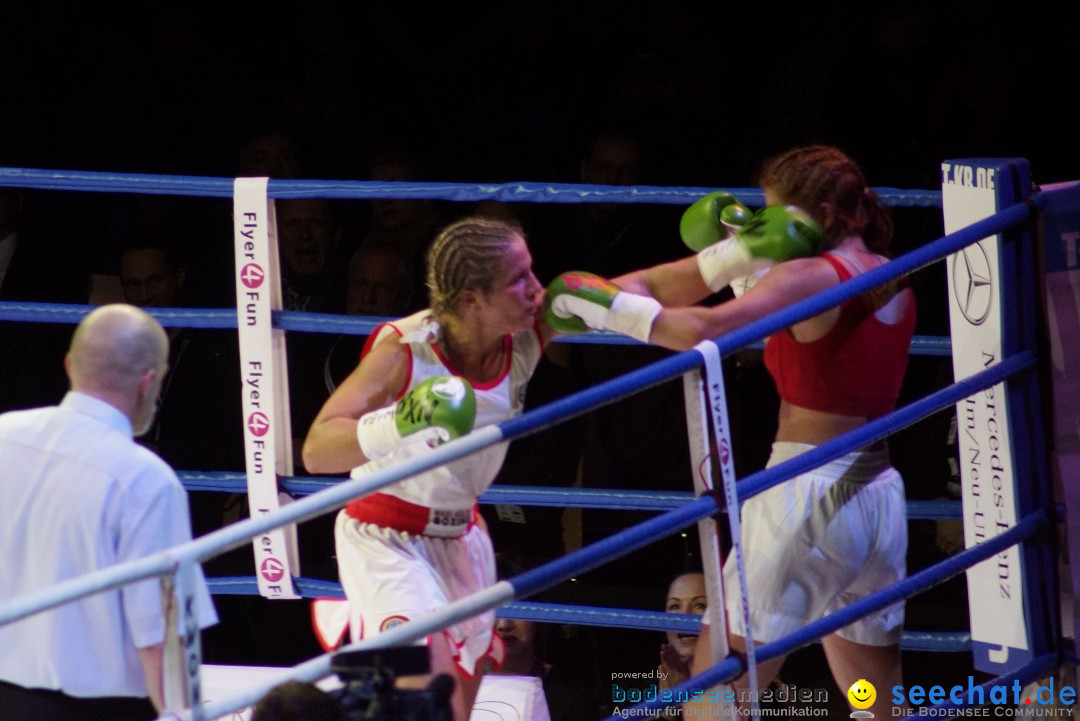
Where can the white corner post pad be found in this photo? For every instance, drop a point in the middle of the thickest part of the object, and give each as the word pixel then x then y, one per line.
pixel 717 396
pixel 263 365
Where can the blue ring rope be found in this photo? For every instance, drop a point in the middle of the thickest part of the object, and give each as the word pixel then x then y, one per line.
pixel 602 617
pixel 549 497
pixel 513 192
pixel 225 318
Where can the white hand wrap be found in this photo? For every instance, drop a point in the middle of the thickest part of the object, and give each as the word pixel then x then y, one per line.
pixel 378 434
pixel 629 314
pixel 726 261
pixel 592 314
pixel 633 315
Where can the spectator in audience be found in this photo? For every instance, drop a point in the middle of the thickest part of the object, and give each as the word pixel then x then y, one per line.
pixel 378 282
pixel 308 241
pixel 313 280
pixel 686 594
pixel 269 152
pixel 378 285
pixel 569 697
pixel 152 276
pixel 615 236
pixel 408 225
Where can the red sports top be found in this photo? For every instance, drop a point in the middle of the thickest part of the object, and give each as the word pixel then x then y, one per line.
pixel 855 369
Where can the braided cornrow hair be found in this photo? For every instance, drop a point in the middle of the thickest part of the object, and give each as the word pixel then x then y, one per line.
pixel 467 254
pixel 816 174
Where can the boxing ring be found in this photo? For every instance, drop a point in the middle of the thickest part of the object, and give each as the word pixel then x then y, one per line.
pixel 1019 370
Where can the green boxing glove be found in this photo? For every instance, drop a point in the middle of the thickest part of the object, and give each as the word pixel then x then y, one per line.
pixel 577 301
pixel 773 234
pixel 710 219
pixel 437 410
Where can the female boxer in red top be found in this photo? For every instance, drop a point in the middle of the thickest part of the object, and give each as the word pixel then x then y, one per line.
pixel 831 536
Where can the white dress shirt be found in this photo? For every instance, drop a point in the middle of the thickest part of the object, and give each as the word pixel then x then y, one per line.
pixel 78 494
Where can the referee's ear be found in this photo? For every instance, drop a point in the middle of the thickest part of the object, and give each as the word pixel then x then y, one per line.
pixel 147 384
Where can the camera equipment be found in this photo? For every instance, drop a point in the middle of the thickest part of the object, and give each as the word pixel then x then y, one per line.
pixel 369 694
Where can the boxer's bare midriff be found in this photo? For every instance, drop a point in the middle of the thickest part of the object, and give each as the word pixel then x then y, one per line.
pixel 804 425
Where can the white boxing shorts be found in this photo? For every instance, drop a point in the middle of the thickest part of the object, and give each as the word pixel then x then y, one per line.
pixel 392 576
pixel 819 542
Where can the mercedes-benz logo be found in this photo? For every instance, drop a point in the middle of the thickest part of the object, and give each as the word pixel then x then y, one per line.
pixel 972 284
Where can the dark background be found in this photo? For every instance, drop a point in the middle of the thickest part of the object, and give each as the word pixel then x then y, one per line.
pixel 515 90
pixel 509 90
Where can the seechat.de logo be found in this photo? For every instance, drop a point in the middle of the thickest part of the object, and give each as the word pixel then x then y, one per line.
pixel 973 699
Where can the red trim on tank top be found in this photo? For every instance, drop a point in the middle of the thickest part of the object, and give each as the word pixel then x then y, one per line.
pixel 841 269
pixel 370 343
pixel 859 393
pixel 507 351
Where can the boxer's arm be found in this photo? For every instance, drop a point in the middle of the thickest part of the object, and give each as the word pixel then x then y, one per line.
pixel 786 283
pixel 331 445
pixel 684 326
pixel 772 235
pixel 673 284
pixel 436 410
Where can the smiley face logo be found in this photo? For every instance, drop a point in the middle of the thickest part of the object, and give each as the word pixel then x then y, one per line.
pixel 862 694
